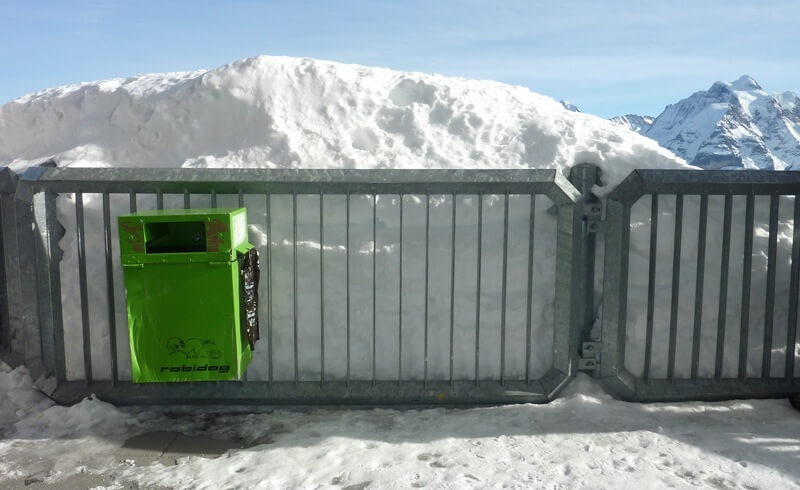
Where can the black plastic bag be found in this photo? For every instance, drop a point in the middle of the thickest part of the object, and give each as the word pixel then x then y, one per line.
pixel 249 275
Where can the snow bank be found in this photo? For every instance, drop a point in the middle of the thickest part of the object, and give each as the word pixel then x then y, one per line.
pixel 287 112
pixel 19 398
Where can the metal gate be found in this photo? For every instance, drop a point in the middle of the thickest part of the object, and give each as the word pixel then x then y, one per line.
pixel 379 287
pixel 696 337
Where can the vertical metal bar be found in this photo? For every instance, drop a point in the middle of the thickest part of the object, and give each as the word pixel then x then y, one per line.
pixel 769 311
pixel 723 285
pixel 676 279
pixel 478 293
pixel 452 286
pixel 34 262
pixel 268 199
pixel 213 198
pixel 294 287
pixel 132 201
pixel 321 291
pixel 427 274
pixel 241 198
pixel 794 290
pixel 40 339
pixel 529 295
pixel 159 199
pixel 746 271
pixel 84 290
pixel 400 299
pixel 374 296
pixel 5 301
pixel 651 286
pixel 347 281
pixel 503 293
pixel 187 200
pixel 698 288
pixel 112 318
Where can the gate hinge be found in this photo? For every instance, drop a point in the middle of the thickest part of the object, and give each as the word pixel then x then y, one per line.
pixel 593 215
pixel 590 357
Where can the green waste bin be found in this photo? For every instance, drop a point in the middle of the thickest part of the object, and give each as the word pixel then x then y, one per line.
pixel 191 286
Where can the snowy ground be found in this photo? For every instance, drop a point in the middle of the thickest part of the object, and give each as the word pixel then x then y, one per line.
pixel 583 440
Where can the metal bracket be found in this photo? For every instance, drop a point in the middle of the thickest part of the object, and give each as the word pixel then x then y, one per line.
pixel 590 357
pixel 593 215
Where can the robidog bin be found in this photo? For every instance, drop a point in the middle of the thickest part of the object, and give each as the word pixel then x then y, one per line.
pixel 191 286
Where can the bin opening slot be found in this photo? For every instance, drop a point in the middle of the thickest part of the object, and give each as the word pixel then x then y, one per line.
pixel 175 237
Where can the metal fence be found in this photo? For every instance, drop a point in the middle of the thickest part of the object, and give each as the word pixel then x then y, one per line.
pixel 700 337
pixel 441 233
pixel 430 286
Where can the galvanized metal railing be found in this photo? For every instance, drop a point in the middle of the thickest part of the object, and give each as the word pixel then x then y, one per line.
pixel 668 330
pixel 723 358
pixel 43 318
pixel 10 349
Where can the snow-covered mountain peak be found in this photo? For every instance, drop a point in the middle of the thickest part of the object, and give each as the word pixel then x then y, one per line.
pixel 634 122
pixel 789 101
pixel 746 83
pixel 734 124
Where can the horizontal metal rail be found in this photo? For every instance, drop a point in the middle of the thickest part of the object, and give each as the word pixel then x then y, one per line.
pixel 283 181
pixel 659 185
pixel 36 198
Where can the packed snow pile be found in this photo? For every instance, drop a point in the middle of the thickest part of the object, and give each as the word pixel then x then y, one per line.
pixel 290 112
pixel 301 113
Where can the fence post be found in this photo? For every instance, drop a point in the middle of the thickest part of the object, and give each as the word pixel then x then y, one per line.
pixel 9 270
pixel 38 233
pixel 588 210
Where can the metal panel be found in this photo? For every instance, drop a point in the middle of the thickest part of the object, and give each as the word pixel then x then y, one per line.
pixel 36 200
pixel 656 183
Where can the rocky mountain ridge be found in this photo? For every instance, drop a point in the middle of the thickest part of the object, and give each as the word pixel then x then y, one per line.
pixel 730 125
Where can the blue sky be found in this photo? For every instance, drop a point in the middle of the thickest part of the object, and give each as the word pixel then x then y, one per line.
pixel 606 57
